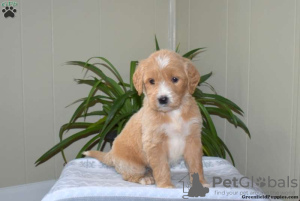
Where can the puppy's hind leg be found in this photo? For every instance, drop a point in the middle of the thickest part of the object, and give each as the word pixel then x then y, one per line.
pixel 133 172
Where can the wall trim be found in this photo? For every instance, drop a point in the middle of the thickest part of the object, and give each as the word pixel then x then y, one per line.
pixel 295 137
pixel 172 25
pixel 296 133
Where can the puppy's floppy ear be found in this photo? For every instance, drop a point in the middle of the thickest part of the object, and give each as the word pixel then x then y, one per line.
pixel 138 77
pixel 193 75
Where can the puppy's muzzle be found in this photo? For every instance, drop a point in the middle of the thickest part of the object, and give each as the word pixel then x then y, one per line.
pixel 163 100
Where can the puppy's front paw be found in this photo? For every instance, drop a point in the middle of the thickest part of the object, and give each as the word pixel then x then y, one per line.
pixel 165 186
pixel 147 180
pixel 206 185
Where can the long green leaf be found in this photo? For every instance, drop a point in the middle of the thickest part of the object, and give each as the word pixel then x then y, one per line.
pixel 156 44
pixel 135 100
pixel 226 101
pixel 98 97
pixel 206 130
pixel 121 125
pixel 207 146
pixel 220 104
pixel 219 112
pixel 92 93
pixel 93 144
pixel 85 147
pixel 208 118
pixel 88 66
pixel 77 101
pixel 209 86
pixel 125 84
pixel 95 113
pixel 111 125
pixel 204 78
pixel 198 93
pixel 76 125
pixel 102 87
pixel 177 48
pixel 65 143
pixel 192 52
pixel 222 151
pixel 216 146
pixel 97 123
pixel 111 67
pixel 132 70
pixel 115 88
pixel 78 112
pixel 114 72
pixel 227 150
pixel 116 107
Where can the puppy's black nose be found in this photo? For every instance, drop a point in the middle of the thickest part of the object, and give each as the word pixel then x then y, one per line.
pixel 163 100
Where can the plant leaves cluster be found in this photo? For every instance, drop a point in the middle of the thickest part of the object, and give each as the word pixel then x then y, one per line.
pixel 120 101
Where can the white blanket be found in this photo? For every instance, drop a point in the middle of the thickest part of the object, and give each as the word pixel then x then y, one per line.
pixel 89 180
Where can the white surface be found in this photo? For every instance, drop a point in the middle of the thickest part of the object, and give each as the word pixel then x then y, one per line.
pixel 88 178
pixel 28 192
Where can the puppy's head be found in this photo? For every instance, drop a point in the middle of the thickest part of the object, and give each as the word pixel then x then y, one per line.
pixel 165 78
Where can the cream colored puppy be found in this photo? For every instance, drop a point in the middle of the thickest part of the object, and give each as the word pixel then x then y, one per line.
pixel 167 127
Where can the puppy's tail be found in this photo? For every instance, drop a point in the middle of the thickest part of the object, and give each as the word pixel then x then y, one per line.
pixel 101 156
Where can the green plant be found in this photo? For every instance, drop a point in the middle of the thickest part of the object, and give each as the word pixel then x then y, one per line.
pixel 120 101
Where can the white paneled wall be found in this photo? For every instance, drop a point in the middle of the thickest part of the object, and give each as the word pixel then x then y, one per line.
pixel 272 47
pixel 12 139
pixel 35 86
pixel 37 95
pixel 253 51
pixel 208 29
pixel 237 75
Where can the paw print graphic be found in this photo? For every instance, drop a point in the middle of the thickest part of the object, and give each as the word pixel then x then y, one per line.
pixel 9 12
pixel 261 182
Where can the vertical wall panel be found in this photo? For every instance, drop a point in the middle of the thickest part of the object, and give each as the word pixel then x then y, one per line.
pixel 182 24
pixel 295 135
pixel 128 30
pixel 271 75
pixel 208 28
pixel 76 37
pixel 296 140
pixel 11 102
pixel 237 75
pixel 38 97
pixel 161 23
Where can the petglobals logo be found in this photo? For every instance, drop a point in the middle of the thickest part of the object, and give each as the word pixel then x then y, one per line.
pixel 8 8
pixel 261 182
pixel 196 189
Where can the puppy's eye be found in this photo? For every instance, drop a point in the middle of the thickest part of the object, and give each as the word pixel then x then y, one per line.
pixel 174 79
pixel 152 81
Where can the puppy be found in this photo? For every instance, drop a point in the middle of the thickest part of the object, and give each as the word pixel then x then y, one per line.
pixel 167 127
